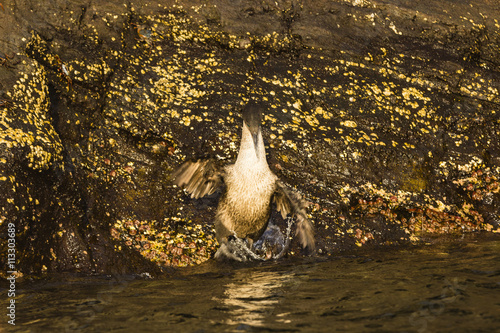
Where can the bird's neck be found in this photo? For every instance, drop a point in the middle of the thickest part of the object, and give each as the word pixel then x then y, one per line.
pixel 251 156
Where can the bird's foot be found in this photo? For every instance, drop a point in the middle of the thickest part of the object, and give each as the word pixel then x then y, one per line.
pixel 228 251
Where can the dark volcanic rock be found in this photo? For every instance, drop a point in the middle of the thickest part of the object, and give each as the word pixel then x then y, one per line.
pixel 383 114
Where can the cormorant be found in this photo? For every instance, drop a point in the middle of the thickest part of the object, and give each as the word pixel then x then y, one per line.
pixel 250 188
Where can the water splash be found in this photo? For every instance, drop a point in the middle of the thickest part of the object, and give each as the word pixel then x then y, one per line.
pixel 271 245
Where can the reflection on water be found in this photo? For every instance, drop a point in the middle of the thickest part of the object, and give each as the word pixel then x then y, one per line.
pixel 441 288
pixel 253 298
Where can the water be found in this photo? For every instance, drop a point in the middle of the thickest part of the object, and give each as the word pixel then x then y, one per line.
pixel 452 287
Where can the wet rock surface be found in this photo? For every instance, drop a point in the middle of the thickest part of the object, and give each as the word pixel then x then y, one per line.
pixel 383 114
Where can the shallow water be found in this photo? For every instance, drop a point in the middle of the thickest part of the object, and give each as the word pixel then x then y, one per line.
pixel 452 287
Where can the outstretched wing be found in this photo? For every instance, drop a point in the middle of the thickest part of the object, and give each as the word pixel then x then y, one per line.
pixel 200 178
pixel 289 202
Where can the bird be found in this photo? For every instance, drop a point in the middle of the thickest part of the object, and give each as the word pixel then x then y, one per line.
pixel 249 188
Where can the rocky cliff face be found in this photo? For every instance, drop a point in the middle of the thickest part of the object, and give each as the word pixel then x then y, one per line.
pixel 383 114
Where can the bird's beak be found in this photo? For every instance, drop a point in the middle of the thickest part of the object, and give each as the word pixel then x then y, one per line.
pixel 255 137
pixel 254 132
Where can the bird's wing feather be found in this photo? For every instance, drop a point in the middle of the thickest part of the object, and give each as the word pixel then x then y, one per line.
pixel 289 202
pixel 199 178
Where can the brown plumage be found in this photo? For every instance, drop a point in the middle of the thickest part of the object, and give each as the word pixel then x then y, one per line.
pixel 250 187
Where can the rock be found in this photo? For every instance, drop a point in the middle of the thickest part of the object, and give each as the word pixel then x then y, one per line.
pixel 383 114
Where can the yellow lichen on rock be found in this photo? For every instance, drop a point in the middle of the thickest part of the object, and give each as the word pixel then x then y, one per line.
pixel 31 107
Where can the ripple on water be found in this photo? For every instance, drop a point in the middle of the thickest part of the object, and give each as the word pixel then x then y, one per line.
pixel 441 288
